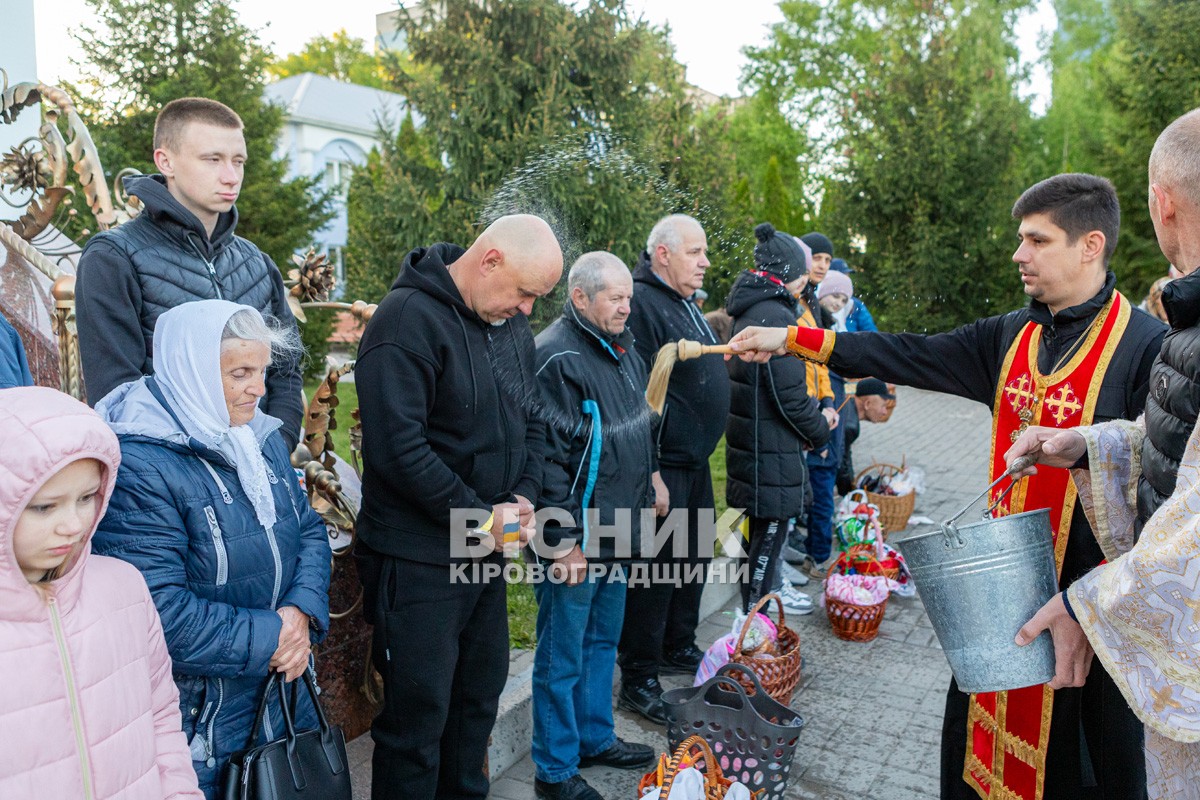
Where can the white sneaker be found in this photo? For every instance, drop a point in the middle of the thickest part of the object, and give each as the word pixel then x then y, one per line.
pixel 792 555
pixel 792 575
pixel 794 602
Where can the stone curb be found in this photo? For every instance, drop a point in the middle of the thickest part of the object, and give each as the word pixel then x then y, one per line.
pixel 513 733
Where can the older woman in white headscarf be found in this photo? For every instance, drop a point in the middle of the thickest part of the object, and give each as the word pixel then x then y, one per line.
pixel 208 507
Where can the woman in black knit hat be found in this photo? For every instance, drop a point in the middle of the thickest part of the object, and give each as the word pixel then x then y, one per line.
pixel 772 418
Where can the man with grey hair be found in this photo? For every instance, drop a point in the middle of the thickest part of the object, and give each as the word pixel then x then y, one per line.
pixel 661 619
pixel 1137 612
pixel 600 469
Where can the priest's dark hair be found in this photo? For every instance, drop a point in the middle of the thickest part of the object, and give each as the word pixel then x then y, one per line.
pixel 1078 203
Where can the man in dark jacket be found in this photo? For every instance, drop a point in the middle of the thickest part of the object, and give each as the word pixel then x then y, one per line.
pixel 661 619
pixel 773 421
pixel 599 465
pixel 182 247
pixel 446 390
pixel 1079 352
pixel 873 402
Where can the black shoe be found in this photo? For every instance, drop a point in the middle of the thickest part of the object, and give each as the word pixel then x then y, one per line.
pixel 643 697
pixel 622 755
pixel 683 661
pixel 573 788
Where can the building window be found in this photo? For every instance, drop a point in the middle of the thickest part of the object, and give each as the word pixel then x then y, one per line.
pixel 338 259
pixel 337 178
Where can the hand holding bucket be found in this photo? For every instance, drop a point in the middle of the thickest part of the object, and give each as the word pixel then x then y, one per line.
pixel 1053 447
pixel 1072 651
pixel 980 583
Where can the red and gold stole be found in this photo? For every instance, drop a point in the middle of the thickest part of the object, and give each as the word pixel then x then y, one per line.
pixel 1007 732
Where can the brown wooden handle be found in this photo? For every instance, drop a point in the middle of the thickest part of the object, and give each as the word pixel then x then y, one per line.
pixel 689 349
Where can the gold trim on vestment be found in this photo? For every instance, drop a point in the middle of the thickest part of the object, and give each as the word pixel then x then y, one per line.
pixel 821 356
pixel 974 772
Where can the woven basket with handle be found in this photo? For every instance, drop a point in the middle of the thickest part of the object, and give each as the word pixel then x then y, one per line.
pixel 894 510
pixel 778 672
pixel 865 559
pixel 696 751
pixel 854 623
pixel 851 622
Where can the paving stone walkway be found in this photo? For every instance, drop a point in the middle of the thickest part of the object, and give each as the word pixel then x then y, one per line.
pixel 873 711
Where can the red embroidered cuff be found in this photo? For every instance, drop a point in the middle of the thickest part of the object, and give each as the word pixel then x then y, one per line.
pixel 812 344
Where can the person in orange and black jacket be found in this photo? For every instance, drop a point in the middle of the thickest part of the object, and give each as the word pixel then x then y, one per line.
pixel 822 462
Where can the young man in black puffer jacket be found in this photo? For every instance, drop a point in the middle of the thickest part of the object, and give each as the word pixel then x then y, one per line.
pixel 182 247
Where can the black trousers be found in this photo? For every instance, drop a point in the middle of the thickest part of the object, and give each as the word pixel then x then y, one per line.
pixel 662 618
pixel 1095 749
pixel 763 552
pixel 442 649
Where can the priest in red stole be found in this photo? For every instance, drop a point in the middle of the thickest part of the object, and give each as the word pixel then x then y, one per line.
pixel 1078 353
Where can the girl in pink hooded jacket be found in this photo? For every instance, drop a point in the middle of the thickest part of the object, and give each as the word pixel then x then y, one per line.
pixel 88 708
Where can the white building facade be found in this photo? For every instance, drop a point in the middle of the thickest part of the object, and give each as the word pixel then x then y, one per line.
pixel 18 59
pixel 329 129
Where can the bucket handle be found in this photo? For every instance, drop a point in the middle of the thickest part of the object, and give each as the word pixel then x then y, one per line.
pixel 950 530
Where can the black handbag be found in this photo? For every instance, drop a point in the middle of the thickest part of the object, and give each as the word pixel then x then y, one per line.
pixel 302 764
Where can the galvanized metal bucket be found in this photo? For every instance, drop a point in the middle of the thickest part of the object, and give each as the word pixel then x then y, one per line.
pixel 980 583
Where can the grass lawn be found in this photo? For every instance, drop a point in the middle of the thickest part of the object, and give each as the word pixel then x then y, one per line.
pixel 347 404
pixel 522 616
pixel 716 465
pixel 522 608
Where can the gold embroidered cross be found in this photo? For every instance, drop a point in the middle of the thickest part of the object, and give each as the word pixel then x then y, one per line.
pixel 1163 698
pixel 1018 392
pixel 1063 403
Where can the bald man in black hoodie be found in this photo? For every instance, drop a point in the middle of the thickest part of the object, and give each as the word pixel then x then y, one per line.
pixel 447 395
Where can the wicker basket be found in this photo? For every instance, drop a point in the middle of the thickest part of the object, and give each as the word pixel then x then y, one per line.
pixel 715 783
pixel 854 623
pixel 894 510
pixel 864 566
pixel 752 736
pixel 850 621
pixel 779 672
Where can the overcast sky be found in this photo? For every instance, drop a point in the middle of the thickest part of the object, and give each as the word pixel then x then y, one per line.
pixel 708 35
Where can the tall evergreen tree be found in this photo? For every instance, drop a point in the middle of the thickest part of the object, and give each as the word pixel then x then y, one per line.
pixel 574 112
pixel 923 136
pixel 763 140
pixel 1154 77
pixel 396 202
pixel 776 202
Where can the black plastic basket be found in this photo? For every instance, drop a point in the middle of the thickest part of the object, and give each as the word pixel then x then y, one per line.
pixel 753 737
